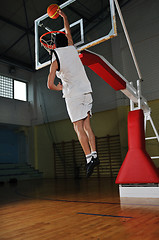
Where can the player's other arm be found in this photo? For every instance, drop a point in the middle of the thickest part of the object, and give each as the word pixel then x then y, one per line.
pixel 51 78
pixel 67 27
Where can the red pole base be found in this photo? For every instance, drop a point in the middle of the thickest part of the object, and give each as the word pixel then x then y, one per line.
pixel 137 166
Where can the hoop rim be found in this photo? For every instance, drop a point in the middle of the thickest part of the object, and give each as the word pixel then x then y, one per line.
pixel 47 45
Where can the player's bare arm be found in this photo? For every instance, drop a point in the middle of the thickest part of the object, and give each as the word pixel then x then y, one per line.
pixel 67 27
pixel 51 78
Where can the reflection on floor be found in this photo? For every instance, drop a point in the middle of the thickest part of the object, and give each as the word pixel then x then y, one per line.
pixel 74 209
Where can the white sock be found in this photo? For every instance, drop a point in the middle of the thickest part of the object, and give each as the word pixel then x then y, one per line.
pixel 94 154
pixel 88 158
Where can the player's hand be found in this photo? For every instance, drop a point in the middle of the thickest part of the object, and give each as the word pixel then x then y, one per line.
pixel 61 13
pixel 59 87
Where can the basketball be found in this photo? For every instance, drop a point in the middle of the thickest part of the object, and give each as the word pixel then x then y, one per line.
pixel 52 11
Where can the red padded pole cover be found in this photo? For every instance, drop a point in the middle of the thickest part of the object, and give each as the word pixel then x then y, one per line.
pixel 100 67
pixel 137 166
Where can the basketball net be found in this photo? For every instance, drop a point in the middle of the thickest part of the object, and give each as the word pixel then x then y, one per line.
pixel 49 44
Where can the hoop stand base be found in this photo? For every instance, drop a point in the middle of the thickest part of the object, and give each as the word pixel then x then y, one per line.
pixel 139 191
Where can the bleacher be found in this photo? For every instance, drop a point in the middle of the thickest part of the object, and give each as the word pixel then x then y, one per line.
pixel 13 172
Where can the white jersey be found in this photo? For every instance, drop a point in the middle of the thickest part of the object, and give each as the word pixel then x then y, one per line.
pixel 72 73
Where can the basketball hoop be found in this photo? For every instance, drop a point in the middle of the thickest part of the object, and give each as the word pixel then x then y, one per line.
pixel 49 42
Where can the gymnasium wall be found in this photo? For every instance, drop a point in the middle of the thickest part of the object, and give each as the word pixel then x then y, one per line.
pixel 152 146
pixel 144 38
pixel 103 124
pixel 142 20
pixel 110 108
pixel 111 122
pixel 14 111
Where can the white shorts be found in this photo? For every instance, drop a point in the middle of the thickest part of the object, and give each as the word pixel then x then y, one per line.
pixel 79 107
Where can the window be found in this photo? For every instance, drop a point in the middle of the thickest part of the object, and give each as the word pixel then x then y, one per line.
pixel 6 87
pixel 11 88
pixel 20 92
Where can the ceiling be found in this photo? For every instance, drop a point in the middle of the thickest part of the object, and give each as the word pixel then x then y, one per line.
pixel 17 26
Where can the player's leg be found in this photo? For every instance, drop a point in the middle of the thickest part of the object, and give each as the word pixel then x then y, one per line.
pixel 82 136
pixel 77 109
pixel 91 138
pixel 84 141
pixel 88 130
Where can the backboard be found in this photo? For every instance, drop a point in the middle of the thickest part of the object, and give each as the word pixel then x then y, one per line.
pixel 91 23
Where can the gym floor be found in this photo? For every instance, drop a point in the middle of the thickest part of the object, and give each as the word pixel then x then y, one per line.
pixel 74 209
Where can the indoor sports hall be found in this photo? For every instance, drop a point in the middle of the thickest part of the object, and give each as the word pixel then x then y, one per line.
pixel 58 181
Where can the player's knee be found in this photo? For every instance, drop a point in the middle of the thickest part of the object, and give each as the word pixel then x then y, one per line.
pixel 87 127
pixel 78 128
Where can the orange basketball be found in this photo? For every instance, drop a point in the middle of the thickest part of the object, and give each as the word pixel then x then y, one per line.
pixel 52 11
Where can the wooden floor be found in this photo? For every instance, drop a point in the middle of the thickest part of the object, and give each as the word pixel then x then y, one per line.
pixel 74 210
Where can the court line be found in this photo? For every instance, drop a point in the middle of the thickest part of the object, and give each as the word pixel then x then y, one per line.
pixel 103 215
pixel 78 201
pixel 75 201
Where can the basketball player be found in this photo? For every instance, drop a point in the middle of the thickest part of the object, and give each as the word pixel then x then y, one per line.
pixel 76 89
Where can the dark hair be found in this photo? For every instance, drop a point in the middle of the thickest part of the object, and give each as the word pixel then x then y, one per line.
pixel 61 40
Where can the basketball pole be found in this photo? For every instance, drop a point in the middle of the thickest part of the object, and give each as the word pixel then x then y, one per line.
pixel 128 39
pixel 147 113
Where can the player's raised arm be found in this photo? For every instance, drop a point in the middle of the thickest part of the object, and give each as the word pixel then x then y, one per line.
pixel 51 78
pixel 67 27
